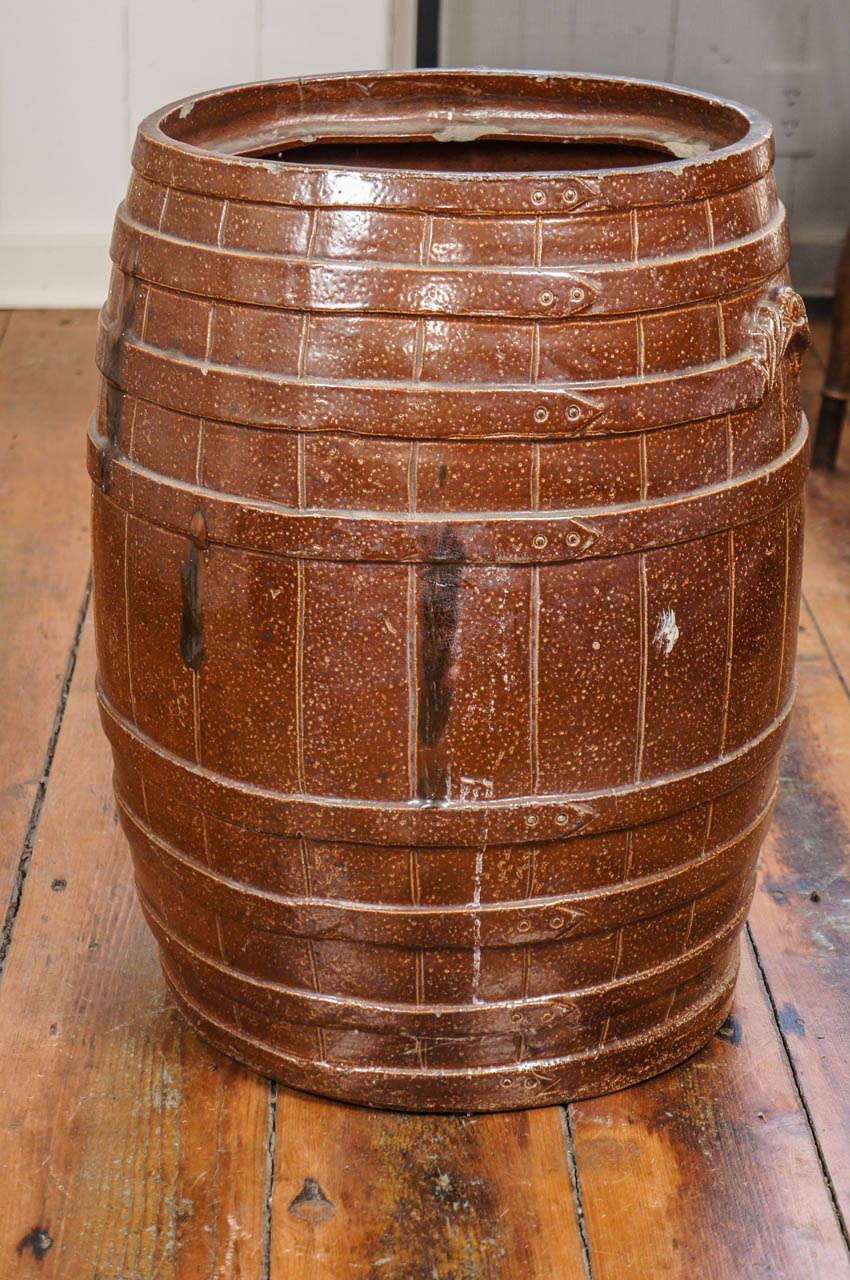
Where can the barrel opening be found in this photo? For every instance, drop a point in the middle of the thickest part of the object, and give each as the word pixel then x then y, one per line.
pixel 460 123
pixel 479 155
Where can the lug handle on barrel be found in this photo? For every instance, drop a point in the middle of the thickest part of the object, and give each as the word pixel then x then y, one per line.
pixel 779 323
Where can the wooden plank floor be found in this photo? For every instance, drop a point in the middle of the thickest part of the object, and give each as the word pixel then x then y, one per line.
pixel 130 1151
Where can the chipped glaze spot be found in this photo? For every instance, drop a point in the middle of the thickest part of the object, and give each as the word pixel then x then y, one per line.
pixel 666 632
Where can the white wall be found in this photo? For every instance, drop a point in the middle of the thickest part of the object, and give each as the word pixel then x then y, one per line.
pixel 789 58
pixel 76 78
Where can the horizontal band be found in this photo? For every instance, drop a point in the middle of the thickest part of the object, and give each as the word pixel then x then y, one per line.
pixel 532 293
pixel 530 1016
pixel 532 1082
pixel 530 537
pixel 522 819
pixel 503 924
pixel 431 411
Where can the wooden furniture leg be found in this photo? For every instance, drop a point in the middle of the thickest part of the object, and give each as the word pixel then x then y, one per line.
pixel 836 390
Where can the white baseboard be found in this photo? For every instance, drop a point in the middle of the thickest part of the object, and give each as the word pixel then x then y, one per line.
pixel 63 270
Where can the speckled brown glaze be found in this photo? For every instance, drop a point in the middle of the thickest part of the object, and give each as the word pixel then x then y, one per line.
pixel 447 525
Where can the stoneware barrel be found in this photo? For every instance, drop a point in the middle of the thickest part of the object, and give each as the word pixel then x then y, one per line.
pixel 447 514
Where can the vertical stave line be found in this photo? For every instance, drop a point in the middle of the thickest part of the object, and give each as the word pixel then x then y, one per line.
pixel 299 677
pixel 533 675
pixel 196 714
pixel 412 683
pixel 127 643
pixel 730 638
pixel 782 642
pixel 644 662
pixel 219 239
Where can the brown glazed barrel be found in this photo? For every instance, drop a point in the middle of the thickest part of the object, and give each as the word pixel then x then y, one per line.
pixel 447 516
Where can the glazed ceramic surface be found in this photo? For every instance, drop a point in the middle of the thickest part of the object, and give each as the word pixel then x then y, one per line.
pixel 447 521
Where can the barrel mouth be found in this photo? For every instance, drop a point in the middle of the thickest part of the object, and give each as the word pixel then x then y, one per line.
pixel 450 150
pixel 322 120
pixel 458 127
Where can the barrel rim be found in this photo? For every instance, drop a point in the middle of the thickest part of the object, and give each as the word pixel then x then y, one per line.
pixel 167 150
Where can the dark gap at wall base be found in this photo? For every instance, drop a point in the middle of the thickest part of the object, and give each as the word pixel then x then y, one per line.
pixel 428 33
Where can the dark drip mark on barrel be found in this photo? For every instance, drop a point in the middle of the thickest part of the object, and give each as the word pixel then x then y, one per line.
pixel 191 629
pixel 124 320
pixel 191 637
pixel 311 1203
pixel 112 409
pixel 111 364
pixel 439 583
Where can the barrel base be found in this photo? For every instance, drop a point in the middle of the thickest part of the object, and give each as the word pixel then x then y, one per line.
pixel 534 1084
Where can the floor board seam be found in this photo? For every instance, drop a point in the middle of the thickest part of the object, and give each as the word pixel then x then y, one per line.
pixel 271 1138
pixel 798 1090
pixel 17 890
pixel 825 643
pixel 575 1183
